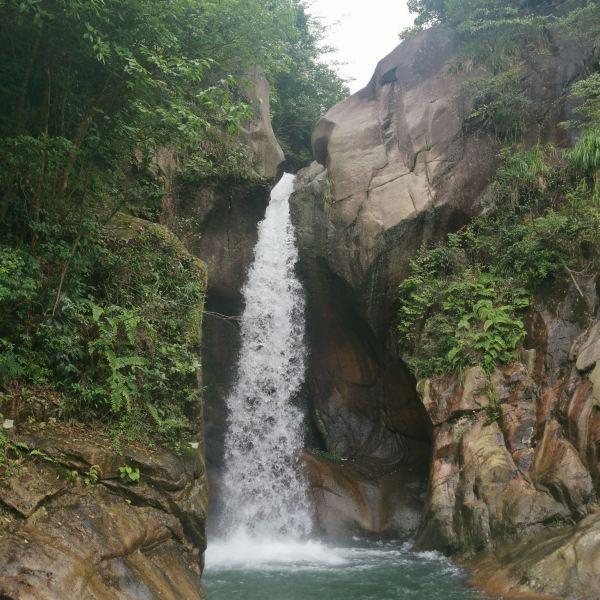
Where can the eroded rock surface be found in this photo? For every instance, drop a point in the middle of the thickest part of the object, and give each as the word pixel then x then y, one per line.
pixel 559 563
pixel 268 157
pixel 100 537
pixel 517 458
pixel 365 497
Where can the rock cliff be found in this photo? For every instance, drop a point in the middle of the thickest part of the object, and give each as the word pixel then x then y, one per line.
pixel 94 534
pixel 400 164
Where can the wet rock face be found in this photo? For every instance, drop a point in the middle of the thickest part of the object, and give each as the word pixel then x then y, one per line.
pixel 391 152
pixel 362 400
pixel 558 563
pixel 217 223
pixel 517 455
pixel 106 538
pixel 365 497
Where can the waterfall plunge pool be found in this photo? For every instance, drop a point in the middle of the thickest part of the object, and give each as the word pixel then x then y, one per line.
pixel 244 567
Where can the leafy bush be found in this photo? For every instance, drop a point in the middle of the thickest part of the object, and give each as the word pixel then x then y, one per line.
pixel 92 475
pixel 587 93
pixel 452 317
pixel 585 161
pixel 499 105
pixel 129 474
pixel 126 354
pixel 488 335
pixel 463 301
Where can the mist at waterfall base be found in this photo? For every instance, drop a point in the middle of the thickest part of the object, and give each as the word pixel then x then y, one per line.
pixel 264 549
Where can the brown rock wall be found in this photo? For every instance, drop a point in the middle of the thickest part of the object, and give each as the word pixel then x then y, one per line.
pixel 62 531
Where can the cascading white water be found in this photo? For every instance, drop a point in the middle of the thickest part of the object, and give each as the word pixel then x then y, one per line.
pixel 264 493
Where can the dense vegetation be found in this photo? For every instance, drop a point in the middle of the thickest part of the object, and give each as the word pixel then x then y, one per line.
pixel 464 300
pixel 94 326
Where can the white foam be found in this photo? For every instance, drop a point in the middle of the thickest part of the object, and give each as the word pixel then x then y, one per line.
pixel 245 552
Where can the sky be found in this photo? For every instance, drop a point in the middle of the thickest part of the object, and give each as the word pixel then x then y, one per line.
pixel 366 31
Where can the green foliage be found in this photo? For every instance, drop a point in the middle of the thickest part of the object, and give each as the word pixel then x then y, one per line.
pixel 409 32
pixel 463 301
pixel 128 353
pixel 429 12
pixel 494 408
pixel 304 88
pixel 452 317
pixel 475 14
pixel 499 105
pixel 327 455
pixel 91 91
pixel 18 278
pixel 500 37
pixel 498 34
pixel 4 444
pixel 585 161
pixel 584 158
pixel 488 334
pixel 527 178
pixel 319 421
pixel 41 454
pixel 92 475
pixel 581 23
pixel 129 474
pixel 587 93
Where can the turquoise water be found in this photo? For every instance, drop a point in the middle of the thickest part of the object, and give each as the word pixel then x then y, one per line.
pixel 312 571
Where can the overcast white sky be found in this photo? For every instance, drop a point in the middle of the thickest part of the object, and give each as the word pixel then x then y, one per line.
pixel 366 32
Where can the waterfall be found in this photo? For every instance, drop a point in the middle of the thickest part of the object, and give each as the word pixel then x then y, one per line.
pixel 264 493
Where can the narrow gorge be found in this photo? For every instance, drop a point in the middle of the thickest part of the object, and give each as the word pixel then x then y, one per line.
pixel 264 338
